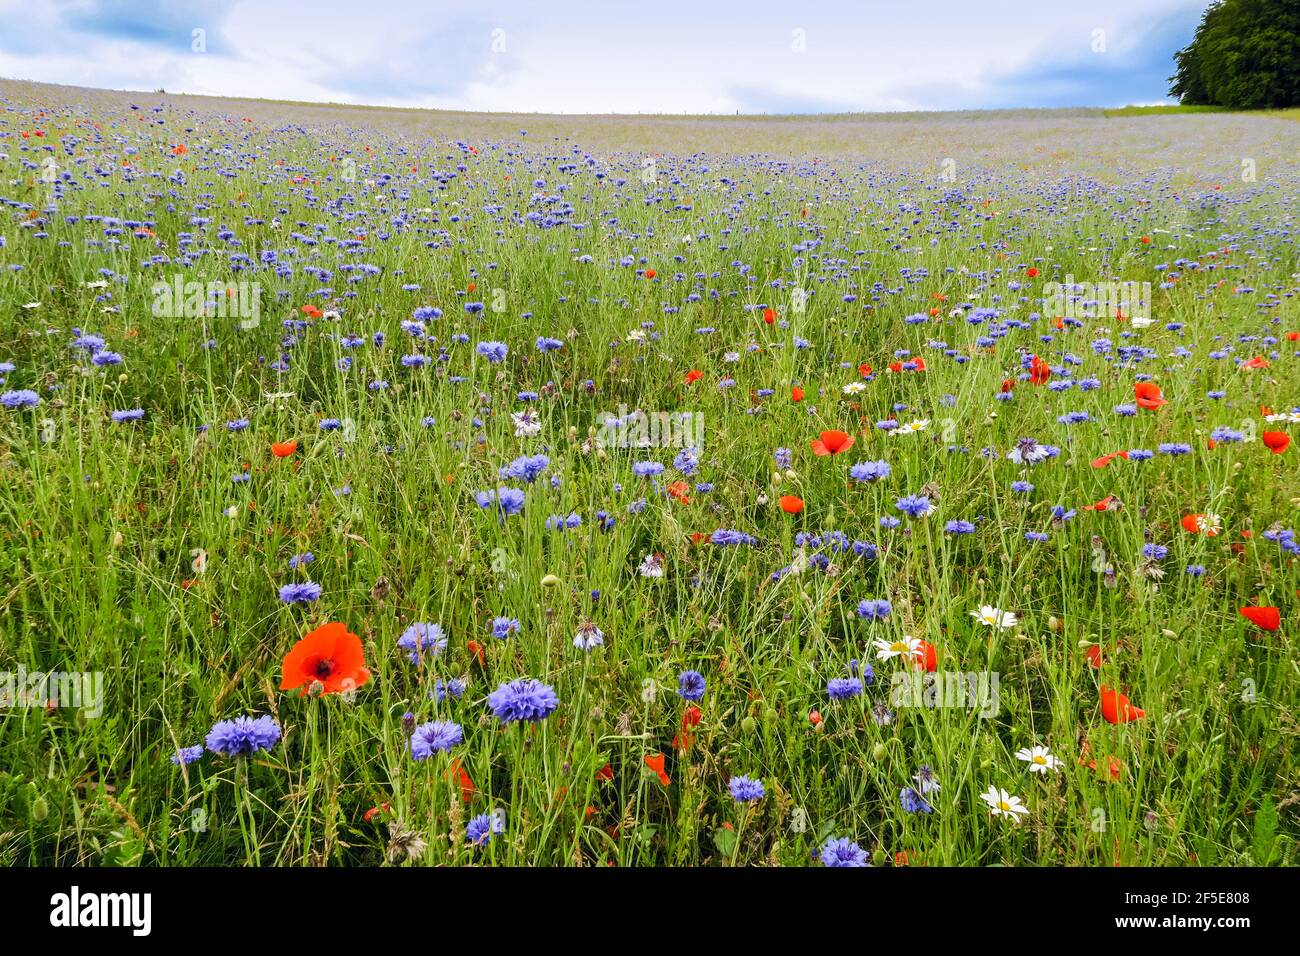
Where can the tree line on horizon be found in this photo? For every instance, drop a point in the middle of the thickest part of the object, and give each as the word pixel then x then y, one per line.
pixel 1245 55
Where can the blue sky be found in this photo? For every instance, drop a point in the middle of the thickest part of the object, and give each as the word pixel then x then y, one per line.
pixel 568 56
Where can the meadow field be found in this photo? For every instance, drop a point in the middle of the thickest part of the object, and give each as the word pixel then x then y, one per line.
pixel 391 487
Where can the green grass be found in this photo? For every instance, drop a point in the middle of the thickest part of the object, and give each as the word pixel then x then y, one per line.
pixel 102 521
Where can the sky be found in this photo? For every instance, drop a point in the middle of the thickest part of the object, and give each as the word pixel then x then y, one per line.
pixel 612 56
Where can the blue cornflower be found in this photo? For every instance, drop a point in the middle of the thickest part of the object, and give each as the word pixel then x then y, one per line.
pixel 510 501
pixel 725 536
pixel 524 699
pixel 422 640
pixel 503 627
pixel 480 829
pixel 128 415
pixel 960 526
pixel 301 560
pixel 745 790
pixel 20 398
pixel 492 351
pixel 243 735
pixel 187 755
pixel 842 688
pixel 300 592
pixel 913 802
pixel 869 471
pixel 876 609
pixel 690 685
pixel 525 468
pixel 914 506
pixel 843 852
pixel 435 736
pixel 442 689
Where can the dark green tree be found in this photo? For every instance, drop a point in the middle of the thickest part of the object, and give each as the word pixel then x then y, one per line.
pixel 1245 55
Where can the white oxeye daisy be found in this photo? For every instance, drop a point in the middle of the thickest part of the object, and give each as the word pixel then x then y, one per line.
pixel 1003 803
pixel 903 647
pixel 1040 759
pixel 636 335
pixel 994 618
pixel 854 388
pixel 916 425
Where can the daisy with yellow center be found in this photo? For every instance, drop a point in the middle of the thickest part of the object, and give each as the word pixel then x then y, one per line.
pixel 919 425
pixel 903 647
pixel 994 618
pixel 1040 759
pixel 1004 804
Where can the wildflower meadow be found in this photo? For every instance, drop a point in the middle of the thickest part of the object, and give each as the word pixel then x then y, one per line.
pixel 391 488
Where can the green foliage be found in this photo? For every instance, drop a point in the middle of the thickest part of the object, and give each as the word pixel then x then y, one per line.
pixel 1245 55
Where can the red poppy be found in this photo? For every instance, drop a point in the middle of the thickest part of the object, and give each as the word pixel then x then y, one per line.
pixel 1008 384
pixel 918 365
pixel 605 773
pixel 283 449
pixel 650 273
pixel 1105 460
pixel 1264 618
pixel 865 370
pixel 656 763
pixel 1115 707
pixel 1039 371
pixel 791 504
pixel 796 394
pixel 832 443
pixel 330 656
pixel 679 489
pixel 1085 760
pixel 1293 336
pixel 927 658
pixel 179 149
pixel 1109 503
pixel 1148 395
pixel 311 311
pixel 694 375
pixel 815 717
pixel 457 774
pixel 691 718
pixel 1276 442
pixel 1094 656
pixel 1032 272
pixel 1256 362
pixel 476 650
pixel 769 316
